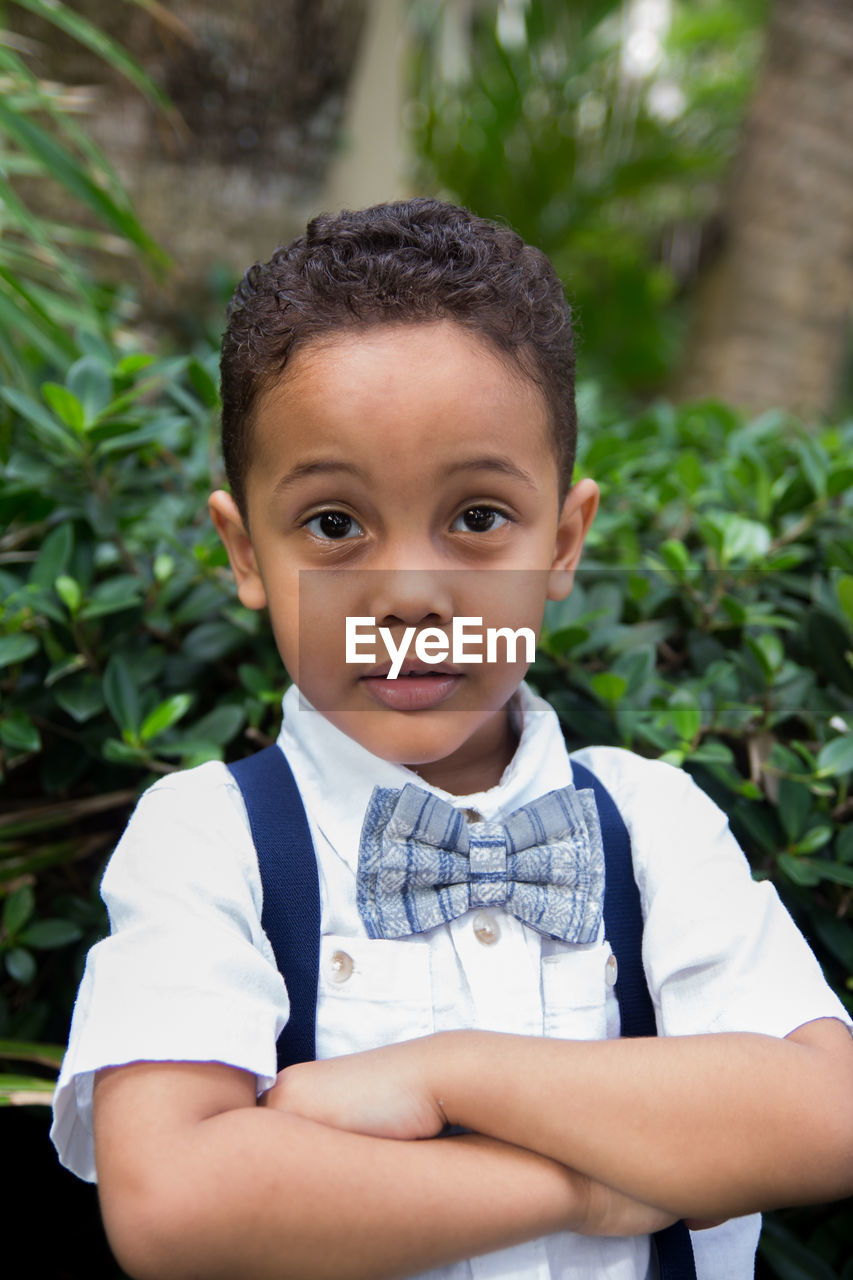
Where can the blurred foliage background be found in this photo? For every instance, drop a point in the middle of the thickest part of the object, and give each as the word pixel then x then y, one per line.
pixel 684 163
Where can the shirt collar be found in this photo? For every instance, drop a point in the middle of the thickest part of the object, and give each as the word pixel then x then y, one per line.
pixel 336 775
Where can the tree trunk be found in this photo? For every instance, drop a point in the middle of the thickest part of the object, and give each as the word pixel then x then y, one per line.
pixel 260 87
pixel 771 312
pixel 370 164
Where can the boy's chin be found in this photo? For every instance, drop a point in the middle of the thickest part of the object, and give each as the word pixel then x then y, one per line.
pixel 410 737
pixel 418 738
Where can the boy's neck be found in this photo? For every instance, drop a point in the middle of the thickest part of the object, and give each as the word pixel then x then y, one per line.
pixel 465 773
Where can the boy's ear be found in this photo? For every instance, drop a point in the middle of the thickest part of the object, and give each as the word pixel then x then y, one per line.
pixel 229 524
pixel 578 513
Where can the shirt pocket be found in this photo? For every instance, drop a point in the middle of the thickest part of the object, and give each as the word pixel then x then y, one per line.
pixel 578 999
pixel 372 992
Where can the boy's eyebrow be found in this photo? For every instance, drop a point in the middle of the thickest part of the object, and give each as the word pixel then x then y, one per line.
pixel 320 466
pixel 492 462
pixel 324 466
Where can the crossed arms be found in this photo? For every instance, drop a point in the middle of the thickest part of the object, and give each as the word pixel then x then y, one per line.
pixel 330 1177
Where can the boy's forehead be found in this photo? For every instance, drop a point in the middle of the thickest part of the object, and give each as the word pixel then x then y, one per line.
pixel 399 360
pixel 364 397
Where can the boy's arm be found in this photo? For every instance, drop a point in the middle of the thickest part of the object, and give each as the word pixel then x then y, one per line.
pixel 196 1180
pixel 707 1126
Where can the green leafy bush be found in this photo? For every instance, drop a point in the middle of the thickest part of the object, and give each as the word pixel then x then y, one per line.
pixel 123 650
pixel 712 625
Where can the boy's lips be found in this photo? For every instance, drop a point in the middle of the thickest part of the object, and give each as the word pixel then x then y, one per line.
pixel 413 667
pixel 418 687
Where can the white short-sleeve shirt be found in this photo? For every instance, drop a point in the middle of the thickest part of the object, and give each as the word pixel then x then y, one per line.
pixel 188 973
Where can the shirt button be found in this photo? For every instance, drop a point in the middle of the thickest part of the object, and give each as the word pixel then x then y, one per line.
pixel 611 971
pixel 486 928
pixel 472 815
pixel 340 966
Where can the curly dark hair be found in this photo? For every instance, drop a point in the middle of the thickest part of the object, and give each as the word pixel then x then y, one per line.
pixel 413 261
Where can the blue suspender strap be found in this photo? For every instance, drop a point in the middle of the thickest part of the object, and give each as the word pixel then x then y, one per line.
pixel 623 928
pixel 291 908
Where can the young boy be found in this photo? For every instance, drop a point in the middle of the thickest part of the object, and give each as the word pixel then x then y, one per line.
pixel 398 425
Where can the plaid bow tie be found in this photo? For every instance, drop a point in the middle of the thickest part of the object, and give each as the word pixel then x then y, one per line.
pixel 420 864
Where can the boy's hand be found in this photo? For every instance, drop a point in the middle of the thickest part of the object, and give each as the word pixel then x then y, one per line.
pixel 386 1093
pixel 382 1093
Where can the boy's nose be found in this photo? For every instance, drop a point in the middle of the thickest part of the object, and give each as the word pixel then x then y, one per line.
pixel 411 596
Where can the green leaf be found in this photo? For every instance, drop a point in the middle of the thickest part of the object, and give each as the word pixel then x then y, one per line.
pixel 844 591
pixel 64 667
pixel 684 714
pixel 608 686
pixel 49 1055
pixel 711 753
pixel 25 1091
pixel 206 386
pixel 20 965
pixel 135 363
pixel 743 539
pixel 46 935
pixel 734 610
pixel 43 423
pixel 17 909
pixel 844 845
pixel 81 698
pixel 121 696
pixel 169 712
pixel 565 640
pixel 219 726
pixel 829 644
pixel 69 592
pixel 794 806
pixel 769 651
pixel 253 679
pixel 54 555
pixel 211 640
pixel 17 647
pixel 833 871
pixel 18 731
pixel 92 386
pixel 195 753
pixel 65 405
pixel 815 838
pixel 164 567
pixel 798 870
pixel 814 466
pixel 674 554
pixel 836 757
pixel 124 753
pixel 123 591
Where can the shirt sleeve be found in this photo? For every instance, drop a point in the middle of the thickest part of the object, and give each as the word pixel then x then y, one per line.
pixel 187 973
pixel 720 950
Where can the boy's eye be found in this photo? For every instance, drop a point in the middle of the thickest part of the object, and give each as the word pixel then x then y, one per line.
pixel 334 525
pixel 478 520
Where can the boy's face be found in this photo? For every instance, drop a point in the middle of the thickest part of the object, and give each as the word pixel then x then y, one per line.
pixel 393 471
